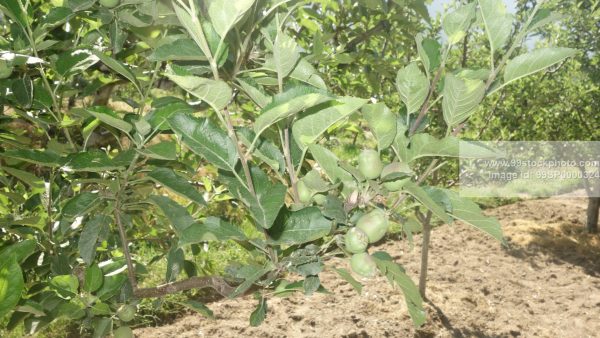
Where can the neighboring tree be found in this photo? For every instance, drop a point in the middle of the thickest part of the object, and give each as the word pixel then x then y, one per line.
pixel 560 104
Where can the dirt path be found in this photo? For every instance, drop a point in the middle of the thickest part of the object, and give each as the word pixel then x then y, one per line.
pixel 547 284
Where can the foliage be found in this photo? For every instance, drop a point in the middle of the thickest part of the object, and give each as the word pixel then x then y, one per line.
pixel 86 184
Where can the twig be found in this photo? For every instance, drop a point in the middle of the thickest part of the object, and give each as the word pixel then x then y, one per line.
pixel 217 283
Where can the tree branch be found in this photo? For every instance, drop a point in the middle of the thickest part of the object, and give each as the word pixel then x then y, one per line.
pixel 216 283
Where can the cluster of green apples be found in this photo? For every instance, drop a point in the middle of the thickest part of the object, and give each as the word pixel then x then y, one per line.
pixel 370 228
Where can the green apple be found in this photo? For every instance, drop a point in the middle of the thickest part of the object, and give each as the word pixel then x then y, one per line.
pixel 110 3
pixel 363 264
pixel 375 224
pixel 356 240
pixel 369 164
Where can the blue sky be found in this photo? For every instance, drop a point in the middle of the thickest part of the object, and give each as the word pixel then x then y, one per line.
pixel 438 6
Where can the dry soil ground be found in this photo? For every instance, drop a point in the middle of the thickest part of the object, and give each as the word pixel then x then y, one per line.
pixel 546 284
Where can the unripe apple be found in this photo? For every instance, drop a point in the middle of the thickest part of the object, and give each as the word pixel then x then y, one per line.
pixel 320 199
pixel 304 193
pixel 375 224
pixel 123 332
pixel 126 312
pixel 363 264
pixel 5 69
pixel 110 3
pixel 356 241
pixel 369 164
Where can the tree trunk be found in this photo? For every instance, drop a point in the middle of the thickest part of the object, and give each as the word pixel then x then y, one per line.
pixel 592 214
pixel 426 222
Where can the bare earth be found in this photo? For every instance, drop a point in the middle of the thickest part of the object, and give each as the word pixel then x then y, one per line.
pixel 547 284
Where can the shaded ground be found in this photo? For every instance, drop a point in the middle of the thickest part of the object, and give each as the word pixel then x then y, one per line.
pixel 546 284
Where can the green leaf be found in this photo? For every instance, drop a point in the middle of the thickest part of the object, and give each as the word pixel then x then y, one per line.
pixel 456 23
pixel 532 62
pixel 74 62
pixel 93 278
pixel 311 125
pixel 175 261
pixel 206 140
pixel 11 285
pixel 214 92
pixel 429 52
pixel 177 184
pixel 285 54
pixel 410 226
pixel 461 98
pixel 543 17
pixel 102 327
pixel 304 72
pixel 225 14
pixel 311 284
pixel 111 286
pixel 382 122
pixel 269 199
pixel 55 17
pixel 413 87
pixel 298 227
pixel 65 285
pixel 36 183
pixel 425 145
pixel 264 149
pixel 108 116
pixel 198 307
pixel 93 161
pixel 181 49
pixel 15 10
pixel 80 205
pixel 314 182
pixel 288 104
pixel 329 163
pixel 260 313
pixel 211 229
pixel 44 157
pixel 469 212
pixel 253 275
pixel 347 276
pixel 120 68
pixel 421 195
pixel 22 89
pixel 178 216
pixel 165 150
pixel 396 275
pixel 19 251
pixel 159 115
pixel 89 237
pixel 192 25
pixel 254 92
pixel 498 24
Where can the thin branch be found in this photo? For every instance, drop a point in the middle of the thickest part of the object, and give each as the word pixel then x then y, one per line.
pixel 217 283
pixel 240 151
pixel 290 165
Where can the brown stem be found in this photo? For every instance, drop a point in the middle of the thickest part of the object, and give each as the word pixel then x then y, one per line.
pixel 240 151
pixel 425 107
pixel 465 54
pixel 125 245
pixel 426 221
pixel 216 283
pixel 290 165
pixel 119 221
